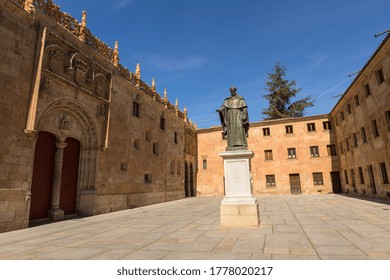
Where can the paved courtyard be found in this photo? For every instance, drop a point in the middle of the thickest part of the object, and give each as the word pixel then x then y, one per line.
pixel 292 227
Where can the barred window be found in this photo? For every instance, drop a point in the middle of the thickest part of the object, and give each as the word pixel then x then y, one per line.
pixel 270 180
pixel 318 178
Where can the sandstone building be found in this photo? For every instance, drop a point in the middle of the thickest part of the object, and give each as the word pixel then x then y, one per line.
pixel 81 135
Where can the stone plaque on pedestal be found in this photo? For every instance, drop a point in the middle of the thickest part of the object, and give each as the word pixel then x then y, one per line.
pixel 238 208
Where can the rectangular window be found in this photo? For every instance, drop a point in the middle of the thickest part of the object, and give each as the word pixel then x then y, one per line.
pixel 347 144
pixel 388 119
pixel 148 136
pixel 348 109
pixel 204 164
pixel 268 154
pixel 156 148
pixel 266 131
pixel 327 125
pixel 270 180
pixel 357 101
pixel 375 131
pixel 346 177
pixel 341 148
pixel 291 153
pixel 385 178
pixel 314 151
pixel 175 137
pixel 162 123
pixel 367 89
pixel 311 127
pixel 353 180
pixel 379 76
pixel 361 176
pixel 355 143
pixel 342 116
pixel 135 109
pixel 148 178
pixel 331 150
pixel 363 132
pixel 289 129
pixel 318 178
pixel 137 144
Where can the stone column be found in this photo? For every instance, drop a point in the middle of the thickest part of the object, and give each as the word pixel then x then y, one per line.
pixel 55 213
pixel 238 208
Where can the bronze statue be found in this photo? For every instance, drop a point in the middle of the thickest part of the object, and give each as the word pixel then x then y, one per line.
pixel 235 123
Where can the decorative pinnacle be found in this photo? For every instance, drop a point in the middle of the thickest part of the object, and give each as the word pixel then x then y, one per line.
pixel 138 71
pixel 83 26
pixel 115 57
pixel 177 107
pixel 185 115
pixel 165 94
pixel 153 85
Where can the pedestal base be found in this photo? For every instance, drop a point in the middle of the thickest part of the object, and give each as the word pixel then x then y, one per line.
pixel 240 215
pixel 56 215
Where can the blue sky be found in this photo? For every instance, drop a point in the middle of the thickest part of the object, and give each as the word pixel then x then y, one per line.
pixel 197 49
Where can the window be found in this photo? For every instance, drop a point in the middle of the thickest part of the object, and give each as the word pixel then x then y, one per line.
pixel 353 180
pixel 341 148
pixel 266 131
pixel 379 76
pixel 347 144
pixel 137 144
pixel 162 123
pixel 357 102
pixel 385 178
pixel 337 121
pixel 363 132
pixel 355 143
pixel 311 127
pixel 375 131
pixel 270 180
pixel 367 89
pixel 317 178
pixel 331 150
pixel 289 129
pixel 327 125
pixel 361 176
pixel 148 136
pixel 268 155
pixel 204 163
pixel 135 109
pixel 314 151
pixel 346 177
pixel 156 148
pixel 291 153
pixel 148 178
pixel 175 137
pixel 342 116
pixel 388 119
pixel 348 109
pixel 124 166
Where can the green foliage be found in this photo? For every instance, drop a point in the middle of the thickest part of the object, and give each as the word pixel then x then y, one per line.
pixel 280 93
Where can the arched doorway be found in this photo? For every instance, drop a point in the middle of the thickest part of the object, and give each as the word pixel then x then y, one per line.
pixel 69 176
pixel 42 180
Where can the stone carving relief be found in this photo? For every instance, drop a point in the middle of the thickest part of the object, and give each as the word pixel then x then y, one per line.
pixel 101 112
pixel 56 57
pixel 44 89
pixel 102 86
pixel 65 124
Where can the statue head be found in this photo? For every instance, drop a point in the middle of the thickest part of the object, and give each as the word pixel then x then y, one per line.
pixel 233 91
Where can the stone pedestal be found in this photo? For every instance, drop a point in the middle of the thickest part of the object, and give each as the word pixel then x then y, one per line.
pixel 238 208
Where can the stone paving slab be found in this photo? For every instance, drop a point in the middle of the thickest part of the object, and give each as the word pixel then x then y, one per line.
pixel 297 227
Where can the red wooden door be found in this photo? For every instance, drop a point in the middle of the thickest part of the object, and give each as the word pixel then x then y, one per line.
pixel 69 176
pixel 42 180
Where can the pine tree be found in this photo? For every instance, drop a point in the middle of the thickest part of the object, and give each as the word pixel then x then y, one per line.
pixel 281 91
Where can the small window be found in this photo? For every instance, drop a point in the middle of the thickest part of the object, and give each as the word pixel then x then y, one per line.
pixel 148 136
pixel 349 109
pixel 388 119
pixel 266 131
pixel 341 148
pixel 346 177
pixel 137 144
pixel 124 166
pixel 148 178
pixel 311 127
pixel 268 154
pixel 162 123
pixel 379 76
pixel 175 137
pixel 363 132
pixel 346 144
pixel 331 150
pixel 355 143
pixel 367 90
pixel 385 178
pixel 327 125
pixel 341 116
pixel 318 178
pixel 357 101
pixel 289 129
pixel 291 152
pixel 270 180
pixel 156 149
pixel 204 162
pixel 135 109
pixel 361 176
pixel 314 151
pixel 375 131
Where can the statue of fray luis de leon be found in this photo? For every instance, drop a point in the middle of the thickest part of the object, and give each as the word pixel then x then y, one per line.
pixel 235 122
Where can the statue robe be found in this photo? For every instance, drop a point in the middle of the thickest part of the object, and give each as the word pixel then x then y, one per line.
pixel 235 122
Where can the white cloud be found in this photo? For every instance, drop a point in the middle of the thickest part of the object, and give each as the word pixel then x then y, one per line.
pixel 123 3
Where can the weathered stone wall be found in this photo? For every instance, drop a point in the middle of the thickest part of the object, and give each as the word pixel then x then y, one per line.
pixel 210 144
pixel 350 117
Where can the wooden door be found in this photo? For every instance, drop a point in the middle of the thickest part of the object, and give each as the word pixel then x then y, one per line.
pixel 69 176
pixel 336 182
pixel 42 179
pixel 295 184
